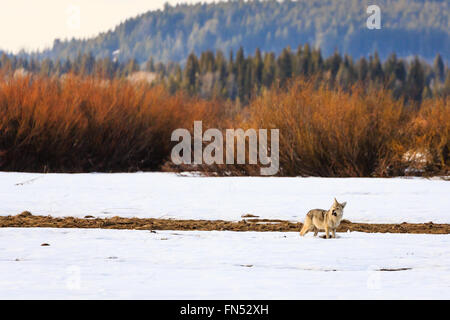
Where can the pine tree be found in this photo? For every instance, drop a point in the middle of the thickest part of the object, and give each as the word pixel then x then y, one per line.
pixel 269 69
pixel 438 68
pixel 415 81
pixel 316 61
pixel 221 71
pixel 241 74
pixel 150 65
pixel 333 63
pixel 346 74
pixel 257 69
pixel 191 73
pixel 207 63
pixel 362 69
pixel 375 68
pixel 285 65
pixel 307 66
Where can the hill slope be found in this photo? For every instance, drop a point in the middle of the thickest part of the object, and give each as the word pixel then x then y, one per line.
pixel 409 27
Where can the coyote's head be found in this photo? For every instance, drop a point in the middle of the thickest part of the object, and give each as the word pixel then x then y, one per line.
pixel 337 209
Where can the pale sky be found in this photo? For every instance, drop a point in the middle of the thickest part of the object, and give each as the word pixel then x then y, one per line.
pixel 34 24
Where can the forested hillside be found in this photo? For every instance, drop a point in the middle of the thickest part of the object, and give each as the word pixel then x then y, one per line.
pixel 409 27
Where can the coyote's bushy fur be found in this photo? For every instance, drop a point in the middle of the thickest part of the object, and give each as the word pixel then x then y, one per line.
pixel 319 219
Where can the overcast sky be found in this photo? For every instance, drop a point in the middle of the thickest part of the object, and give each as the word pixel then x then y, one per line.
pixel 34 24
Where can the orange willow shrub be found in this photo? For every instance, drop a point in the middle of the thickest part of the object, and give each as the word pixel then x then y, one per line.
pixel 328 132
pixel 75 124
pixel 430 133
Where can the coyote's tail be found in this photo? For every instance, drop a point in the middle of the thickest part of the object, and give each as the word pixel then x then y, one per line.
pixel 306 226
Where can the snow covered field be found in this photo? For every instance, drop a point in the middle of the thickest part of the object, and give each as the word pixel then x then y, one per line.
pixel 165 195
pixel 220 265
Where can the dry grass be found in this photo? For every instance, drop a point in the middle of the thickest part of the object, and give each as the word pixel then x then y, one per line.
pixel 30 221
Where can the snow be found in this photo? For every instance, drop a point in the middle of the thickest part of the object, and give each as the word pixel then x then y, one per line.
pixel 166 195
pixel 129 264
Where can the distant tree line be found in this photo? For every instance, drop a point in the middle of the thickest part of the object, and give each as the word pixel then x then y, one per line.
pixel 239 77
pixel 83 64
pixel 408 27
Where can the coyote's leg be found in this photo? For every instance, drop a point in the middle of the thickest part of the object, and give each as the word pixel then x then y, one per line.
pixel 327 232
pixel 334 233
pixel 305 230
pixel 316 231
pixel 306 226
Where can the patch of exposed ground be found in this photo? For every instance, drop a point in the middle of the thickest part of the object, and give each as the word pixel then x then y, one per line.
pixel 27 220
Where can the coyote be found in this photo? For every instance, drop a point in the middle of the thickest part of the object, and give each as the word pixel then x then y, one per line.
pixel 318 219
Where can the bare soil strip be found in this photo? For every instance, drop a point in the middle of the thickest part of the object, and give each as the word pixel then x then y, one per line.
pixel 27 220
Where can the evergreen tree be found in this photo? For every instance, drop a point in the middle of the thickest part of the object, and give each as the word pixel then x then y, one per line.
pixel 191 73
pixel 415 81
pixel 241 74
pixel 150 65
pixel 269 69
pixel 362 69
pixel 207 63
pixel 375 68
pixel 333 63
pixel 438 68
pixel 285 65
pixel 257 69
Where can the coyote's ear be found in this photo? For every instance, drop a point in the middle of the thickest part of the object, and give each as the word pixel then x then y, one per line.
pixel 335 201
pixel 343 204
